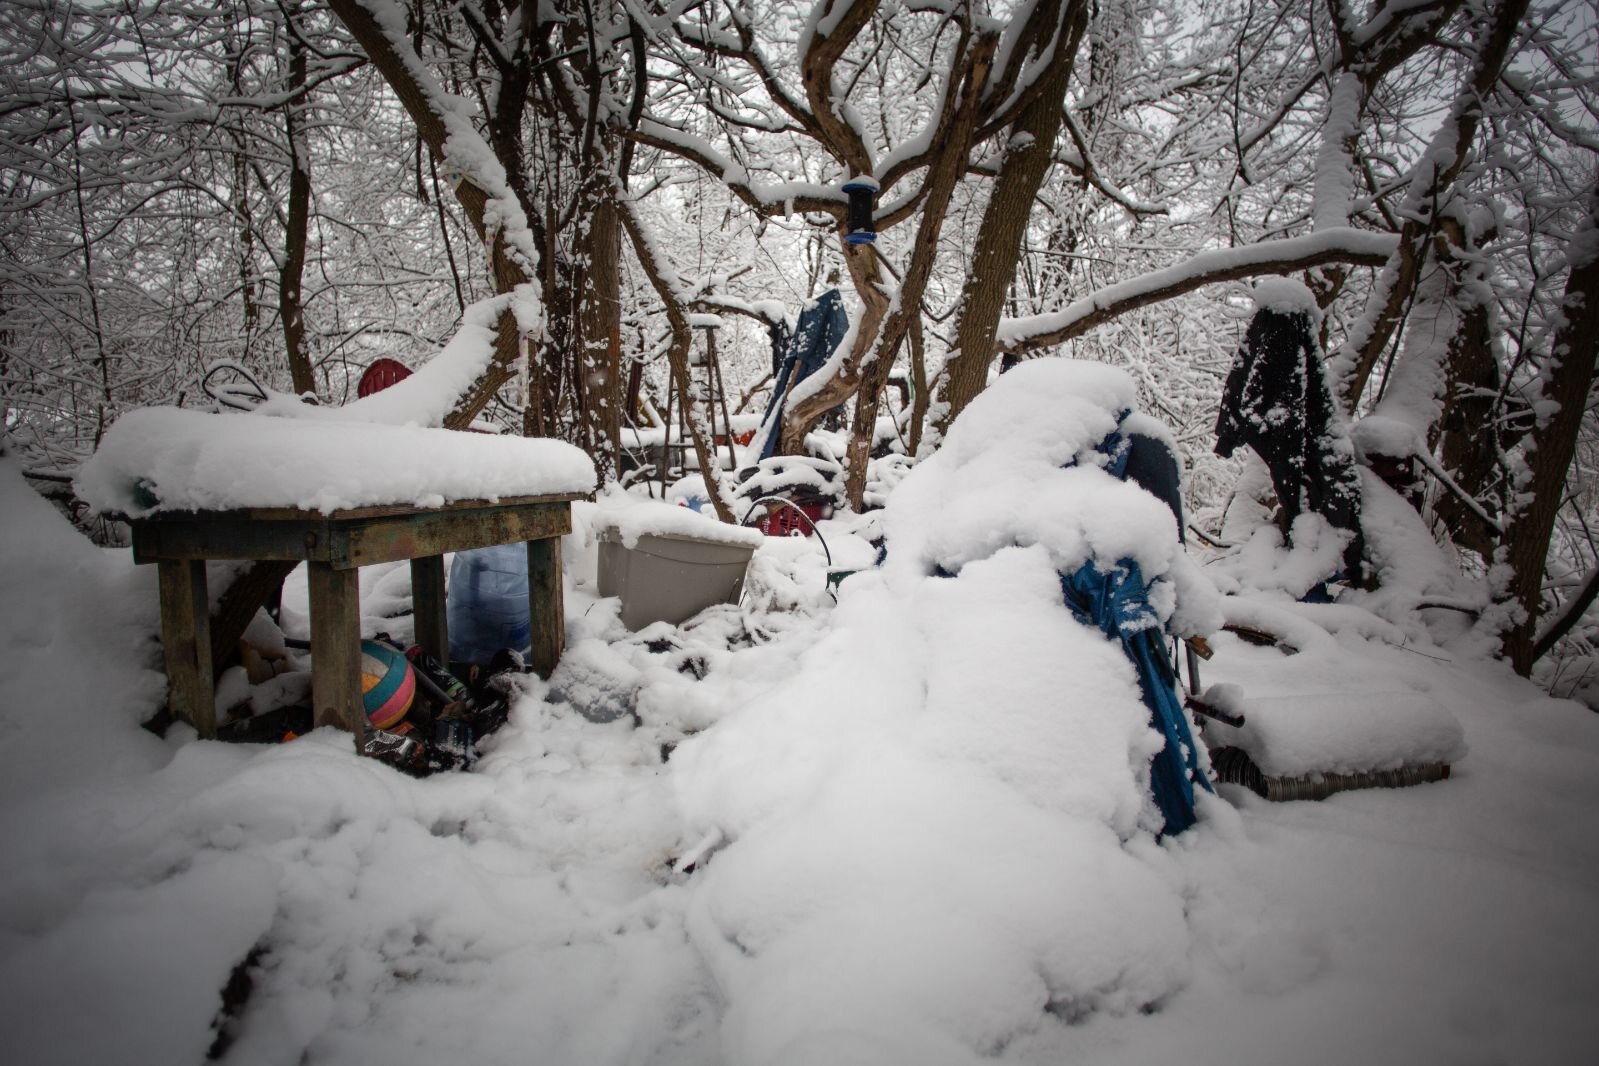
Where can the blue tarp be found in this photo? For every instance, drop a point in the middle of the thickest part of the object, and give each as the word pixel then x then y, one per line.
pixel 1117 602
pixel 821 326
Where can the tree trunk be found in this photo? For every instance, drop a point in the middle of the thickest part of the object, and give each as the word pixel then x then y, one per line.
pixel 1566 380
pixel 677 359
pixel 291 309
pixel 1469 436
pixel 1430 188
pixel 943 176
pixel 601 312
pixel 393 59
pixel 999 238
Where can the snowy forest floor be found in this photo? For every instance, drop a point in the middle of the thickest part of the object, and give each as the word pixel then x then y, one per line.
pixel 903 876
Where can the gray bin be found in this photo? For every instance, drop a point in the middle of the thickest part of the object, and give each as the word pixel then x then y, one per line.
pixel 669 577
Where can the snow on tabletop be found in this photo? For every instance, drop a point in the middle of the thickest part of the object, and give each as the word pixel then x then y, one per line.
pixel 170 459
pixel 636 516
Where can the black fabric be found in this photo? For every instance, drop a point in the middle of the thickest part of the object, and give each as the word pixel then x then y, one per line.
pixel 1152 467
pixel 1277 402
pixel 778 334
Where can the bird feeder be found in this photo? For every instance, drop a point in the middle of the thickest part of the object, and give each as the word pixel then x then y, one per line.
pixel 862 226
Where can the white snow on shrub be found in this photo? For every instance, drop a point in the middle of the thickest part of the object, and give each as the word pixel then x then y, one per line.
pixel 1285 295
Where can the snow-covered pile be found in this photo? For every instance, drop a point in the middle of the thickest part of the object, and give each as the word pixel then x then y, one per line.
pixel 79 662
pixel 935 830
pixel 940 840
pixel 1002 478
pixel 170 459
pixel 1294 734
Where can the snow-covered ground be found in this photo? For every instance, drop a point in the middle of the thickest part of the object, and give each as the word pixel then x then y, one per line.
pixel 920 830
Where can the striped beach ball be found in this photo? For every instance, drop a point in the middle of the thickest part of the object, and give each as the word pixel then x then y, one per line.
pixel 387 683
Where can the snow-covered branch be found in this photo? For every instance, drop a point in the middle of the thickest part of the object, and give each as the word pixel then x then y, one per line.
pixel 1285 256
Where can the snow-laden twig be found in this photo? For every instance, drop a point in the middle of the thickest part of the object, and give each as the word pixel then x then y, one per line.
pixel 1286 256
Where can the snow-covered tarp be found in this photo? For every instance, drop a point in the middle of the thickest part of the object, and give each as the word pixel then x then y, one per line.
pixel 1022 467
pixel 171 459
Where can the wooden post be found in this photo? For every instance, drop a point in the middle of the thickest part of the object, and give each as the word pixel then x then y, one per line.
pixel 186 643
pixel 336 648
pixel 546 605
pixel 427 607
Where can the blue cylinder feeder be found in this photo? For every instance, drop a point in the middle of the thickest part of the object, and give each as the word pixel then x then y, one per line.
pixel 861 190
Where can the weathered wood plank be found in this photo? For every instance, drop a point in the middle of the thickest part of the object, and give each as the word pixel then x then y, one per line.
pixel 186 644
pixel 343 542
pixel 336 649
pixel 229 537
pixel 388 510
pixel 427 606
pixel 546 603
pixel 383 540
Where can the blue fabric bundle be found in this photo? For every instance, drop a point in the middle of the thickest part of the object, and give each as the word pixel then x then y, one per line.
pixel 1117 602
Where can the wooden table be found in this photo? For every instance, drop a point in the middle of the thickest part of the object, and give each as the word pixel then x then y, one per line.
pixel 334 546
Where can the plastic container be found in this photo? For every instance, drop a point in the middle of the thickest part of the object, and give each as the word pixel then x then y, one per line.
pixel 781 521
pixel 669 577
pixel 487 605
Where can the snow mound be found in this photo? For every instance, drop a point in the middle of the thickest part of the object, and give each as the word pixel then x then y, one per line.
pixel 934 834
pixel 79 664
pixel 170 459
pixel 940 840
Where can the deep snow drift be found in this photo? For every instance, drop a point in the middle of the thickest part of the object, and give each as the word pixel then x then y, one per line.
pixel 918 817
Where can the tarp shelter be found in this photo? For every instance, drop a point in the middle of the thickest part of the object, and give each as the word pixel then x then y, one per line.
pixel 821 326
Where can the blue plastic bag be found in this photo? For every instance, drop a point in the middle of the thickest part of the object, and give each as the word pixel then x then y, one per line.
pixel 488 604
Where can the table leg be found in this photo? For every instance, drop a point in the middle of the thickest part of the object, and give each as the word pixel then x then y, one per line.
pixel 186 643
pixel 336 648
pixel 546 605
pixel 427 606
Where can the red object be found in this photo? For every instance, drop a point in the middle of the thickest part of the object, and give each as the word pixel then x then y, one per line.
pixel 380 375
pixel 781 521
